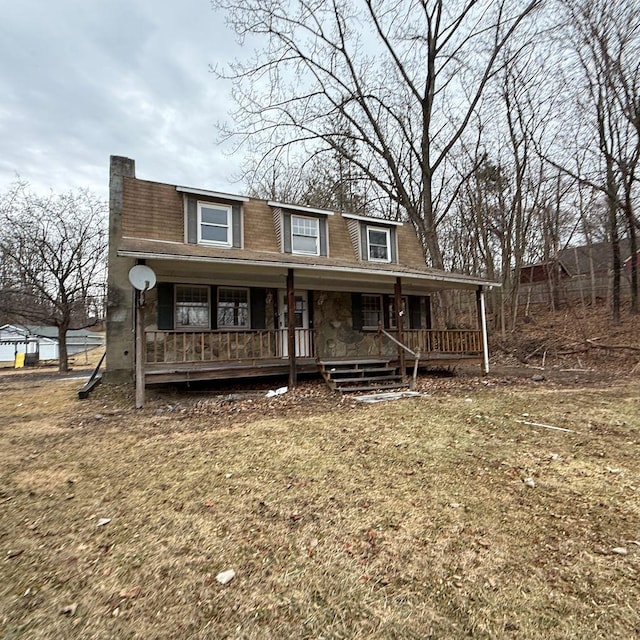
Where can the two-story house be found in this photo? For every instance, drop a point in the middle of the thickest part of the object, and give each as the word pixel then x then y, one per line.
pixel 249 287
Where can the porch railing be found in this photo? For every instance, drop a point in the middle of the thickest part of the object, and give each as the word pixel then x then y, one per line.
pixel 462 341
pixel 225 346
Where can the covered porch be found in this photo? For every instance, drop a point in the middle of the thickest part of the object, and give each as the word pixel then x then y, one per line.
pixel 180 356
pixel 210 319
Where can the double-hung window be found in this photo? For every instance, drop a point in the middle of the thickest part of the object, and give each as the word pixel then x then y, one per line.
pixel 378 244
pixel 233 308
pixel 214 224
pixel 403 312
pixel 192 307
pixel 305 235
pixel 371 311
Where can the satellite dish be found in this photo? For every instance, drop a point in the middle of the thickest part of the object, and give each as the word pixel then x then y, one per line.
pixel 142 277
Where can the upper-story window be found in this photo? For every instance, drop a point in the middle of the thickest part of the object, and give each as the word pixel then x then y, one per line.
pixel 305 235
pixel 215 224
pixel 378 244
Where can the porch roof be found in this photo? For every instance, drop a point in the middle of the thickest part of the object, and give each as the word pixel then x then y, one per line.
pixel 330 270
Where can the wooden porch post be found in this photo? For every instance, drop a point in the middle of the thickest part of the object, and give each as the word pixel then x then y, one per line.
pixel 291 329
pixel 399 323
pixel 482 325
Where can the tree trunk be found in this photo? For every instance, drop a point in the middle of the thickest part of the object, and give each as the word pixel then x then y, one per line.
pixel 63 360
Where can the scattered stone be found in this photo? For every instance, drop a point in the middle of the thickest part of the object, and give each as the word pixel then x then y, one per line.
pixel 103 521
pixel 70 609
pixel 224 577
pixel 14 553
pixel 98 416
pixel 538 378
pixel 530 482
pixel 621 551
pixel 455 505
pixel 611 470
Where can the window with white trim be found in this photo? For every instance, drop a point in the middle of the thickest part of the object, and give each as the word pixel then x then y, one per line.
pixel 214 224
pixel 233 308
pixel 403 312
pixel 192 307
pixel 305 235
pixel 378 244
pixel 371 311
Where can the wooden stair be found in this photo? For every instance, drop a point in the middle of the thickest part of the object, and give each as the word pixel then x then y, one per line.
pixel 361 374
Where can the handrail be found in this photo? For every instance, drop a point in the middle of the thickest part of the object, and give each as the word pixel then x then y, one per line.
pixel 394 340
pixel 415 354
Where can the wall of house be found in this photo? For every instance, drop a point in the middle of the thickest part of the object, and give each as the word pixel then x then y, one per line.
pixel 335 337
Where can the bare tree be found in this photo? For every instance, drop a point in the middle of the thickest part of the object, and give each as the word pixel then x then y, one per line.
pixel 53 252
pixel 605 38
pixel 403 78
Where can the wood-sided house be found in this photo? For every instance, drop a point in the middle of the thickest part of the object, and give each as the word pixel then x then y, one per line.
pixel 248 287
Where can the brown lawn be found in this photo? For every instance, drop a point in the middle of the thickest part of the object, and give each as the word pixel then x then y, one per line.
pixel 409 519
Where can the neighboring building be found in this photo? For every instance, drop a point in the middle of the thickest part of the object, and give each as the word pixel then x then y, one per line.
pixel 231 270
pixel 41 342
pixel 582 273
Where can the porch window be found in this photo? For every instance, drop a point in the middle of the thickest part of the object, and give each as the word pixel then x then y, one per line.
pixel 392 312
pixel 371 311
pixel 214 224
pixel 378 244
pixel 305 234
pixel 233 308
pixel 192 307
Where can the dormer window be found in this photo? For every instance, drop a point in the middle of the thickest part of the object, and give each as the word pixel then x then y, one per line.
pixel 301 230
pixel 378 244
pixel 373 240
pixel 215 224
pixel 305 235
pixel 213 219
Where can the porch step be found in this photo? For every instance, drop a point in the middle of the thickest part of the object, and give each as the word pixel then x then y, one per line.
pixel 360 374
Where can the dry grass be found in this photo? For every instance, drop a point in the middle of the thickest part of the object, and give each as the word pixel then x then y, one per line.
pixel 400 520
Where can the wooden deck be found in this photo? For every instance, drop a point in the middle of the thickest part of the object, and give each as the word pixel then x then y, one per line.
pixel 203 371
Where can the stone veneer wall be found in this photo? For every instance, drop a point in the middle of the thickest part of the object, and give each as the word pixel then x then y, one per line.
pixel 335 336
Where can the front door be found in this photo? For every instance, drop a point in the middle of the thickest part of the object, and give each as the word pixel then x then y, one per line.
pixel 303 333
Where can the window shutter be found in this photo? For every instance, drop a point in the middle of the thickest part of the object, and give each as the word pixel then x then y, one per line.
pixel 356 311
pixel 192 221
pixel 165 306
pixel 386 309
pixel 322 225
pixel 236 215
pixel 364 245
pixel 258 304
pixel 394 244
pixel 213 307
pixel 286 232
pixel 415 320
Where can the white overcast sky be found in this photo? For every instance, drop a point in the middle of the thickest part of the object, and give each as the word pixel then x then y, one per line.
pixel 81 80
